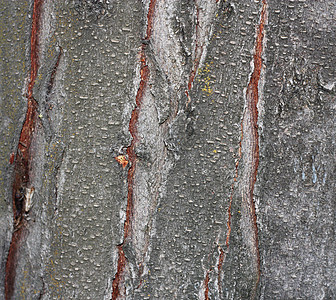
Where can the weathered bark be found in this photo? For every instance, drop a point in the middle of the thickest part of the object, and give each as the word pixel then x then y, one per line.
pixel 167 149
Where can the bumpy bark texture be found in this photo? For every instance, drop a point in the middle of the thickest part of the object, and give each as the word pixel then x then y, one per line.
pixel 179 149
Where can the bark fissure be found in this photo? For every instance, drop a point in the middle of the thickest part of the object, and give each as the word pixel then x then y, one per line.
pixel 198 52
pixel 44 93
pixel 249 130
pixel 250 147
pixel 131 153
pixel 54 71
pixel 22 190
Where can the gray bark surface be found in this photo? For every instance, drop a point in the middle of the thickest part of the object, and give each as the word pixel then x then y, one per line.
pixel 225 114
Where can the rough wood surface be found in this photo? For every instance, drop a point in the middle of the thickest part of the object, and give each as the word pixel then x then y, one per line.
pixel 167 149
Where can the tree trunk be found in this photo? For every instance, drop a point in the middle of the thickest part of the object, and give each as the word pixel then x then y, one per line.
pixel 167 149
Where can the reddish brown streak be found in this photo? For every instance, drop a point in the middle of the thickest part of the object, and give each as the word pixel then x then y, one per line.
pixel 150 18
pixel 120 270
pixel 11 263
pixel 144 77
pixel 11 158
pixel 252 97
pixel 23 157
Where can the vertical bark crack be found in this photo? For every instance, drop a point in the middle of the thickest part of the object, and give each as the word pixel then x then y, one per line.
pixel 22 189
pixel 198 52
pixel 54 71
pixel 250 147
pixel 44 92
pixel 132 157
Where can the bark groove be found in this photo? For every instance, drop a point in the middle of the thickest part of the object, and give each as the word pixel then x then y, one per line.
pixel 22 189
pixel 132 157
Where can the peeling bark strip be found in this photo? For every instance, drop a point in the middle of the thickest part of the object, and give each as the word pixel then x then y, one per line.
pixel 250 143
pixel 132 157
pixel 22 191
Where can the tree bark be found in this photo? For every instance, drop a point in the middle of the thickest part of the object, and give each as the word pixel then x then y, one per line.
pixel 167 149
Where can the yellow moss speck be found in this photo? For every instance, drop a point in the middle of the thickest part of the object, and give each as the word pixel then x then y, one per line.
pixel 205 78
